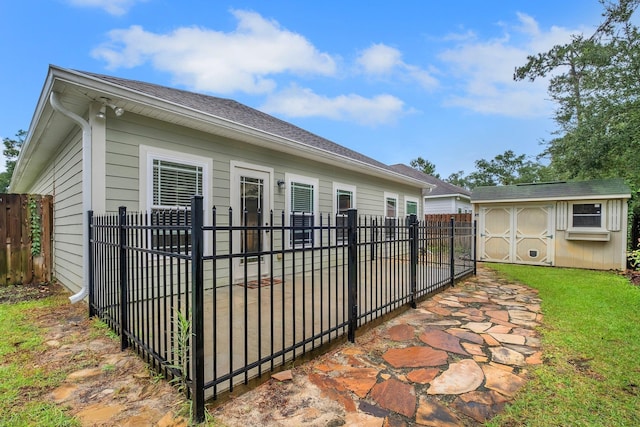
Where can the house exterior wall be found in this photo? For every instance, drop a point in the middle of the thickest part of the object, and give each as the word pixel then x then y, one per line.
pixel 131 138
pixel 602 249
pixel 62 178
pixel 448 205
pixel 126 134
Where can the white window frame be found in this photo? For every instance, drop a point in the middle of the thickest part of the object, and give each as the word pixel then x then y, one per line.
pixel 338 186
pixel 408 199
pixel 387 196
pixel 603 215
pixel 315 183
pixel 148 154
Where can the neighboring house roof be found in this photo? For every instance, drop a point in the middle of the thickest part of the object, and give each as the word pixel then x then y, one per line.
pixel 573 190
pixel 210 114
pixel 440 188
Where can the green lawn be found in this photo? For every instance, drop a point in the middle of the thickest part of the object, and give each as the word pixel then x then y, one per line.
pixel 22 381
pixel 591 348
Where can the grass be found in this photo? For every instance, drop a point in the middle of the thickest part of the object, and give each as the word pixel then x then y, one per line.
pixel 591 348
pixel 22 381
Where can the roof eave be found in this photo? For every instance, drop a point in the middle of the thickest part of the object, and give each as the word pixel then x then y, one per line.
pixel 554 199
pixel 240 131
pixel 443 196
pixel 20 171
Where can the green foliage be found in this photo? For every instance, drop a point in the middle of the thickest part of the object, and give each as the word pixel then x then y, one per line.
pixel 11 151
pixel 458 178
pixel 634 258
pixel 424 166
pixel 35 227
pixel 180 348
pixel 506 169
pixel 24 382
pixel 595 82
pixel 591 350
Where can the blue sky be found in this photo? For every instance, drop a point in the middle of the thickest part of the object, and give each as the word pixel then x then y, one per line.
pixel 392 80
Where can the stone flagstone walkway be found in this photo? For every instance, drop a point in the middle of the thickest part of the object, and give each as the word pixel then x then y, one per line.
pixel 456 360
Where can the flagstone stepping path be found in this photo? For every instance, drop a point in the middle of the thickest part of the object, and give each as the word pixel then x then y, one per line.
pixel 455 360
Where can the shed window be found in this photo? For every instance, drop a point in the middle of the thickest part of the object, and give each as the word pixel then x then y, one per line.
pixel 587 215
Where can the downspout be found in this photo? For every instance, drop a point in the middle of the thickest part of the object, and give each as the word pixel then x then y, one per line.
pixel 86 189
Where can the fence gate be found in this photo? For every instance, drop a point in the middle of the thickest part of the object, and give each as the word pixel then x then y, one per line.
pixel 25 238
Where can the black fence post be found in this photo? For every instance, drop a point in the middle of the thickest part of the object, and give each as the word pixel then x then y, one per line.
pixel 352 239
pixel 452 259
pixel 413 255
pixel 197 315
pixel 124 286
pixel 475 246
pixel 92 269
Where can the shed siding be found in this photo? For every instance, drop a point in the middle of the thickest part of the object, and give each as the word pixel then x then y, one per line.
pixel 600 255
pixel 62 178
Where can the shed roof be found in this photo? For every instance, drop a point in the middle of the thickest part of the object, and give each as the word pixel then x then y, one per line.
pixel 612 188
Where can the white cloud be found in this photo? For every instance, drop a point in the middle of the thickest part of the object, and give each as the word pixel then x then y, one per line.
pixel 303 102
pixel 245 59
pixel 113 7
pixel 483 70
pixel 381 60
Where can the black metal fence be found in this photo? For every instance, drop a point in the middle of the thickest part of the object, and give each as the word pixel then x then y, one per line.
pixel 213 306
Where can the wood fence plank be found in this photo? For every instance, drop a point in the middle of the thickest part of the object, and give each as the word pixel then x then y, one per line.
pixel 17 264
pixel 26 268
pixel 4 278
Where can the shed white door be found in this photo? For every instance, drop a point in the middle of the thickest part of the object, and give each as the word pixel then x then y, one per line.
pixel 517 234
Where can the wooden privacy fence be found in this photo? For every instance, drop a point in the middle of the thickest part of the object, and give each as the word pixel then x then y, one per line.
pixel 26 222
pixel 459 217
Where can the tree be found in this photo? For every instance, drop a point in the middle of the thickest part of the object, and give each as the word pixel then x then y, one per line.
pixel 458 178
pixel 11 151
pixel 506 169
pixel 595 83
pixel 424 166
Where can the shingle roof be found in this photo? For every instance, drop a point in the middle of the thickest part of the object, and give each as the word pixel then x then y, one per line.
pixel 553 190
pixel 238 113
pixel 441 188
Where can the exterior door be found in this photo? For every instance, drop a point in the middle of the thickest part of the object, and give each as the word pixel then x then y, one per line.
pixel 521 235
pixel 251 201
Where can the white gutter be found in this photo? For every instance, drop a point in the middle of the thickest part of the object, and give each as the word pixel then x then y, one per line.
pixel 86 189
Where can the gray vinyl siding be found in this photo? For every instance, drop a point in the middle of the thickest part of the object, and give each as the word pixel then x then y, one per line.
pixel 62 178
pixel 127 133
pixel 448 205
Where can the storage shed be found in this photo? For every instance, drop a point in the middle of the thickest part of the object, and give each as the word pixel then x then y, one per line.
pixel 580 224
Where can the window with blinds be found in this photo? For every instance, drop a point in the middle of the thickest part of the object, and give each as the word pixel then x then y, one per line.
pixel 344 202
pixel 302 213
pixel 588 215
pixel 391 214
pixel 175 183
pixel 173 186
